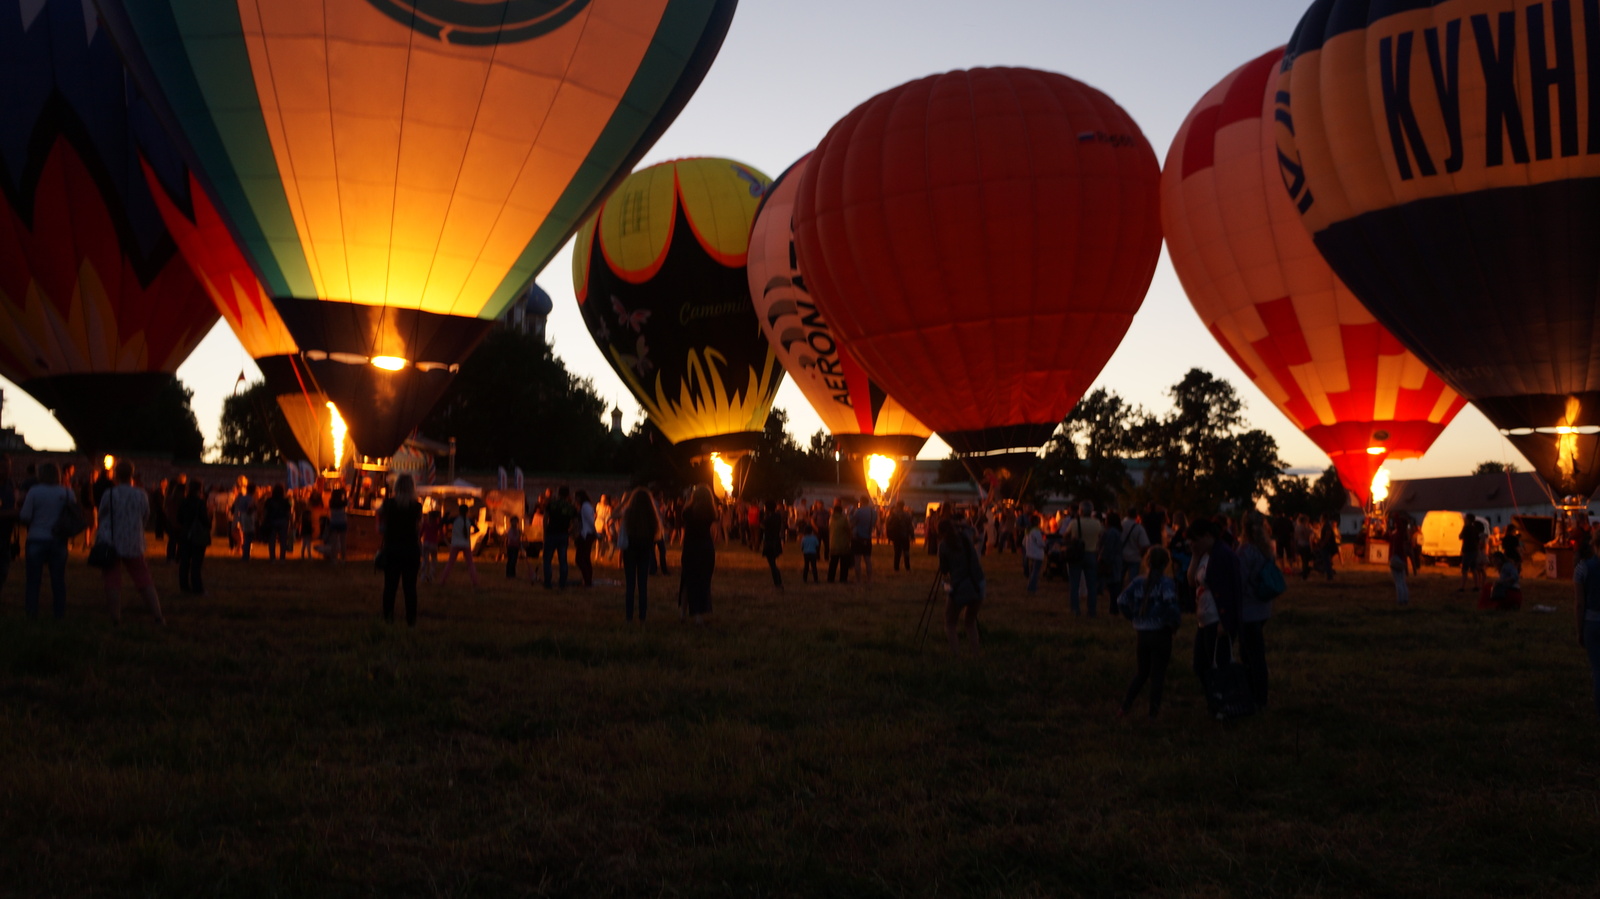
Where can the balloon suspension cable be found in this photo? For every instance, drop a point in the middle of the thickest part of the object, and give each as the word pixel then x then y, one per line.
pixel 311 407
pixel 983 499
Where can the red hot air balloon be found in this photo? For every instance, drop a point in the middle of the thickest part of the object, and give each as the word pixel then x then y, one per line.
pixel 865 421
pixel 981 240
pixel 1266 294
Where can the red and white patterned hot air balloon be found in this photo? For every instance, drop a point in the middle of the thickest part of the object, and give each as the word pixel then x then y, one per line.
pixel 1266 294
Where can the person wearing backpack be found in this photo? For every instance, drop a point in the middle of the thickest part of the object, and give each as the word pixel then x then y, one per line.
pixel 1151 603
pixel 52 516
pixel 1262 583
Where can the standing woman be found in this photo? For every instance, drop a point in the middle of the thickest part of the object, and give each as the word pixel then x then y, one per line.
pixel 41 509
pixel 194 535
pixel 583 550
pixel 1399 537
pixel 641 525
pixel 124 509
pixel 773 526
pixel 1151 603
pixel 958 562
pixel 841 561
pixel 699 560
pixel 400 522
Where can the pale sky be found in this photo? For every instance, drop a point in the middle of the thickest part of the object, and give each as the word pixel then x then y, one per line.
pixel 791 68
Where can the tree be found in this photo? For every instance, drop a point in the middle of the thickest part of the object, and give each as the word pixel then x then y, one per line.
pixel 253 430
pixel 1201 457
pixel 515 403
pixel 1495 468
pixel 165 425
pixel 1085 459
pixel 1293 495
pixel 650 459
pixel 821 458
pixel 777 463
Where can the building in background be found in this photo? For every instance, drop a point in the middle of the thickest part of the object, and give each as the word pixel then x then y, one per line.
pixel 529 313
pixel 10 440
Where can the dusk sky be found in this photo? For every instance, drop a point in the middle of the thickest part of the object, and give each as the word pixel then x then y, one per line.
pixel 788 70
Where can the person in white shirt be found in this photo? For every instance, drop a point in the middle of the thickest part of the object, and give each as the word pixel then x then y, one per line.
pixel 583 549
pixel 124 510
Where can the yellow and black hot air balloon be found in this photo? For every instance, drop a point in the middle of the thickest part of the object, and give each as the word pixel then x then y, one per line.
pixel 1446 158
pixel 397 171
pixel 659 273
pixel 97 308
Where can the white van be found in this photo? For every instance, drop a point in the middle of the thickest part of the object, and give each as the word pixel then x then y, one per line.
pixel 1441 535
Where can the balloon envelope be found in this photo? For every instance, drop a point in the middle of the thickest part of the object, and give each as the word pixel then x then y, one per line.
pixel 97 308
pixel 861 416
pixel 981 241
pixel 659 274
pixel 397 170
pixel 1266 294
pixel 1443 162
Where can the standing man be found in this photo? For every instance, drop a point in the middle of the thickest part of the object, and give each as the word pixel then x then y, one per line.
pixel 899 530
pixel 558 521
pixel 1082 535
pixel 170 501
pixel 863 522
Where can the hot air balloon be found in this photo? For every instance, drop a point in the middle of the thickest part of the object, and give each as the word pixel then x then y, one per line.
pixel 867 424
pixel 659 273
pixel 1265 293
pixel 981 240
pixel 247 307
pixel 1440 157
pixel 98 307
pixel 396 171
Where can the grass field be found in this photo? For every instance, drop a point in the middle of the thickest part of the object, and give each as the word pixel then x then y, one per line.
pixel 278 740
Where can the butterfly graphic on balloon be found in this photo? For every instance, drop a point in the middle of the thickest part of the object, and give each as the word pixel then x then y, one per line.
pixel 634 320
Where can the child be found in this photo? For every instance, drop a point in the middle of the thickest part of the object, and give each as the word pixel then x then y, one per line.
pixel 810 549
pixel 1151 601
pixel 429 535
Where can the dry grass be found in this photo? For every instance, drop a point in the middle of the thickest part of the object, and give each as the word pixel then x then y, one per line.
pixel 278 740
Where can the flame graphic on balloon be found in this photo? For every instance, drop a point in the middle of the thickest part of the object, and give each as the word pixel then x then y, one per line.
pixel 704 395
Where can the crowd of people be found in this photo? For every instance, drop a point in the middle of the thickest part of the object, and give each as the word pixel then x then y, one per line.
pixel 1154 567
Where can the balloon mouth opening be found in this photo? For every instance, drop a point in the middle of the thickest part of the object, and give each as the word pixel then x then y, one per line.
pixel 1376 450
pixel 388 363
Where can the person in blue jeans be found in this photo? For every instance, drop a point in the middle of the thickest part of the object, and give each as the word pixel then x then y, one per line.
pixel 636 535
pixel 1586 584
pixel 1082 536
pixel 40 510
pixel 1151 603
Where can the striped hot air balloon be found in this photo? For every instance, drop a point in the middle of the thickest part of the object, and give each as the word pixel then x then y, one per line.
pixel 1266 294
pixel 1445 157
pixel 397 171
pixel 97 307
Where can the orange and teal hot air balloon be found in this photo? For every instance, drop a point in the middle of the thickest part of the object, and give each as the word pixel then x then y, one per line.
pixel 659 274
pixel 97 308
pixel 1266 294
pixel 1445 157
pixel 396 171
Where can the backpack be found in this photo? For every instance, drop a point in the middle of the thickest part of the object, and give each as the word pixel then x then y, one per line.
pixel 1268 582
pixel 71 521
